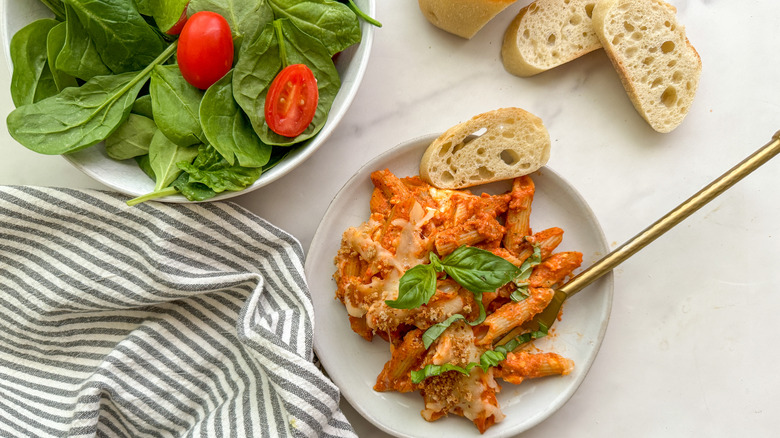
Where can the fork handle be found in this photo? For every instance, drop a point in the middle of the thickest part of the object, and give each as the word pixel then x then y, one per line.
pixel 674 217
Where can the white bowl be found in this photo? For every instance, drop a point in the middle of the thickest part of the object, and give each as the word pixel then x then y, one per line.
pixel 126 177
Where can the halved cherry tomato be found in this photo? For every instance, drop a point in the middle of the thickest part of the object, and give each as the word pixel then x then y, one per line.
pixel 205 51
pixel 291 100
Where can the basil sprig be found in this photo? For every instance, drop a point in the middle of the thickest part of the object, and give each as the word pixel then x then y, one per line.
pixel 489 358
pixel 521 281
pixel 475 269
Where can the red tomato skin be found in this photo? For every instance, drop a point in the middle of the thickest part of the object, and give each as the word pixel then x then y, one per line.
pixel 205 50
pixel 179 25
pixel 291 101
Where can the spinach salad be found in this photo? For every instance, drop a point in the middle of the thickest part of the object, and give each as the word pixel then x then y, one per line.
pixel 106 70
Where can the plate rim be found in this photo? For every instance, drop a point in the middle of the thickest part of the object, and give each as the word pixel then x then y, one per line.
pixel 607 279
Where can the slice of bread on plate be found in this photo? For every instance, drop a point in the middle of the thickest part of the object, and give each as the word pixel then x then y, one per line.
pixel 658 66
pixel 548 33
pixel 493 146
pixel 463 18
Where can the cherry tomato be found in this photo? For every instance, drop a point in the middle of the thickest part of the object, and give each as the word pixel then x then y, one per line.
pixel 205 51
pixel 179 25
pixel 291 100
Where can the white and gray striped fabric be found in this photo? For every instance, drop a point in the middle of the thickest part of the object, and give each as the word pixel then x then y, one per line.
pixel 159 320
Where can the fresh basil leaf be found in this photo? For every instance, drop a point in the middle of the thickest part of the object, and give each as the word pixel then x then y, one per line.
pixel 55 41
pixel 165 157
pixel 521 281
pixel 120 34
pixel 175 104
pixel 31 80
pixel 328 21
pixel 213 170
pixel 415 288
pixel 434 331
pixel 431 370
pixel 437 329
pixel 489 358
pixel 228 129
pixel 79 57
pixel 132 138
pixel 478 270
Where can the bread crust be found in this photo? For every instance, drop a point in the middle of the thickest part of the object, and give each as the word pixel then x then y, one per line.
pixel 509 142
pixel 548 33
pixel 463 18
pixel 657 64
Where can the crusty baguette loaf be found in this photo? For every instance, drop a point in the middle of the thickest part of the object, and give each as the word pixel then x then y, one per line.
pixel 462 17
pixel 511 142
pixel 657 64
pixel 548 33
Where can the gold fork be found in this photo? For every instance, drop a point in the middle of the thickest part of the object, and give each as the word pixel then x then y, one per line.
pixel 674 217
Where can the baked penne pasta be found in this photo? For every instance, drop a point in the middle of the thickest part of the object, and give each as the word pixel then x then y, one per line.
pixel 455 336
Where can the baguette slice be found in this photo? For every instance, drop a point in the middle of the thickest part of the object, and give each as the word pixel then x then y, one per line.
pixel 509 142
pixel 463 18
pixel 548 33
pixel 658 66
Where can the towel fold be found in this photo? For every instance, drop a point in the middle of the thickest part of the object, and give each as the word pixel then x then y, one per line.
pixel 159 320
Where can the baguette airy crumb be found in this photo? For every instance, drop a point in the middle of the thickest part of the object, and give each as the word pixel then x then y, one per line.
pixel 493 146
pixel 463 18
pixel 548 33
pixel 658 66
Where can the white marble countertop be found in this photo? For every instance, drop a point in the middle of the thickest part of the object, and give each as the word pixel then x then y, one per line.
pixel 690 346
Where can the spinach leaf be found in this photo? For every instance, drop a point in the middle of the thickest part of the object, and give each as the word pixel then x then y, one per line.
pixel 143 106
pixel 77 118
pixel 145 165
pixel 132 138
pixel 165 12
pixel 31 79
pixel 416 287
pixel 78 56
pixel 328 21
pixel 145 7
pixel 193 191
pixel 478 270
pixel 164 159
pixel 362 15
pixel 121 36
pixel 56 7
pixel 213 170
pixel 245 17
pixel 55 41
pixel 228 129
pixel 260 61
pixel 175 105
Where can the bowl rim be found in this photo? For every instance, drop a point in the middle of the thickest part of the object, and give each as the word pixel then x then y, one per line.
pixel 298 153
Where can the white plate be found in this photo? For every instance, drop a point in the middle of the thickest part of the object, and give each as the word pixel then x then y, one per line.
pixel 126 177
pixel 353 363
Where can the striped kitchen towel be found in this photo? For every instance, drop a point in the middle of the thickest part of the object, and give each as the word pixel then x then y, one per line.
pixel 159 320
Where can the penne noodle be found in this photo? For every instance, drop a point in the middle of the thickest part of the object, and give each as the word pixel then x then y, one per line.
pixel 524 365
pixel 555 269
